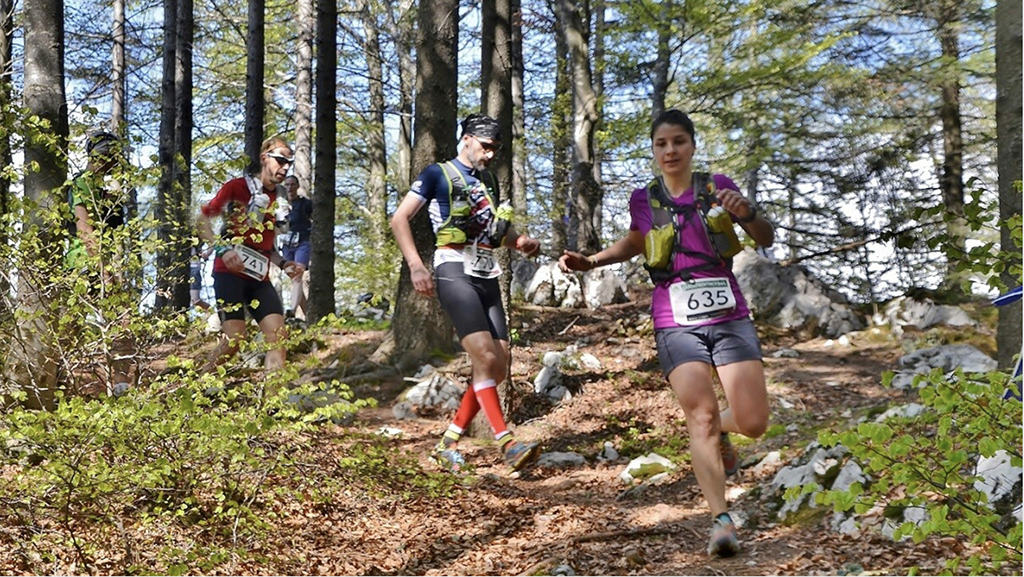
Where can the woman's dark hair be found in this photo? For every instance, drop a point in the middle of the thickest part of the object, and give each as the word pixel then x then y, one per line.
pixel 675 117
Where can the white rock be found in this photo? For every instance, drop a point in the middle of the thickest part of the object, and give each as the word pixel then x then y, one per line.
pixel 389 432
pixel 552 359
pixel 561 460
pixel 547 378
pixel 590 362
pixel 850 473
pixel 998 475
pixel 909 410
pixel 626 476
pixel 770 462
pixel 608 453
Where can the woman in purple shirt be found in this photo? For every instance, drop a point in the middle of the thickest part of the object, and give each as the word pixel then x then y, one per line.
pixel 701 320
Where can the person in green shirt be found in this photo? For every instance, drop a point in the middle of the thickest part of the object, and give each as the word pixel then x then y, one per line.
pixel 98 209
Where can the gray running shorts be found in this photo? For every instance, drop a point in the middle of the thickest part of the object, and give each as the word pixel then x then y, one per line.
pixel 717 345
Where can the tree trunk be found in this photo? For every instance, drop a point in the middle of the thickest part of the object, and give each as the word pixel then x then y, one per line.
pixel 254 100
pixel 6 155
pixel 496 70
pixel 1008 119
pixel 31 364
pixel 586 192
pixel 662 65
pixel 118 110
pixel 952 180
pixel 321 261
pixel 598 40
pixel 304 95
pixel 402 31
pixel 117 115
pixel 419 326
pixel 376 188
pixel 183 156
pixel 166 149
pixel 517 148
pixel 562 214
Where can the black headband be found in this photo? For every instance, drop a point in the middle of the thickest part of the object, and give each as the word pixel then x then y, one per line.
pixel 482 126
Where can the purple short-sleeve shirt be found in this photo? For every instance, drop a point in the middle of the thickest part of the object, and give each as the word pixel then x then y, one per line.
pixel 695 239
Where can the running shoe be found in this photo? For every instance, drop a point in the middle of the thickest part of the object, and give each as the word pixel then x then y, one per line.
pixel 723 541
pixel 519 455
pixel 448 459
pixel 730 459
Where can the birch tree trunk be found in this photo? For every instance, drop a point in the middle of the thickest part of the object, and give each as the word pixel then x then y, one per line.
pixel 31 362
pixel 304 95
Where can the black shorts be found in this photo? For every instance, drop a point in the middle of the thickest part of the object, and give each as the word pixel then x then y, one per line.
pixel 716 344
pixel 473 304
pixel 258 296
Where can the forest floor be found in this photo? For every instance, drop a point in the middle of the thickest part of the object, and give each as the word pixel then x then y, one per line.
pixel 584 517
pixel 357 502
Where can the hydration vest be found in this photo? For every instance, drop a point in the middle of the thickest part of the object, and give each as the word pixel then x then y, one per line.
pixel 463 224
pixel 102 205
pixel 662 242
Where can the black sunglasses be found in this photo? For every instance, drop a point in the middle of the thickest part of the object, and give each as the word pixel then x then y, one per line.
pixel 492 146
pixel 281 159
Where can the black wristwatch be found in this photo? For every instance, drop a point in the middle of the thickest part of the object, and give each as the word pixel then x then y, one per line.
pixel 749 219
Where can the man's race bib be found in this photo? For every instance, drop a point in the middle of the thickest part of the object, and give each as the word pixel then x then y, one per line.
pixel 698 300
pixel 256 264
pixel 479 261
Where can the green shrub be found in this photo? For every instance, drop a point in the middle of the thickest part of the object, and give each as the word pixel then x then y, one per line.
pixel 929 460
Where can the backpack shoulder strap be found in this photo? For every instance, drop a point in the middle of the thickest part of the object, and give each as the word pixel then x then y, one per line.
pixel 456 182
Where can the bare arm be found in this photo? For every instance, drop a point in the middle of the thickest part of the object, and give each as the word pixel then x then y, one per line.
pixel 231 259
pixel 86 233
pixel 522 243
pixel 624 249
pixel 759 228
pixel 407 209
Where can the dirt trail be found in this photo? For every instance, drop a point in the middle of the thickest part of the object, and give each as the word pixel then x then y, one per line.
pixel 584 517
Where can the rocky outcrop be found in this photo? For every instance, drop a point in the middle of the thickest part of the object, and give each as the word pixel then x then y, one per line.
pixel 789 297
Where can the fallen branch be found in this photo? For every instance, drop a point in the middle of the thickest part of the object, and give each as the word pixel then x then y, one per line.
pixel 570 325
pixel 610 535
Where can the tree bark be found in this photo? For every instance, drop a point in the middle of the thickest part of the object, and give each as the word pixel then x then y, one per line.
pixel 951 182
pixel 117 72
pixel 31 364
pixel 254 99
pixel 518 149
pixel 586 192
pixel 1008 119
pixel 402 30
pixel 496 71
pixel 6 155
pixel 321 262
pixel 419 326
pixel 376 187
pixel 562 214
pixel 304 95
pixel 182 194
pixel 166 157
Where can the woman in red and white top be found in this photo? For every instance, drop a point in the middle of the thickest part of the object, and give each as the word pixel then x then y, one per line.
pixel 245 252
